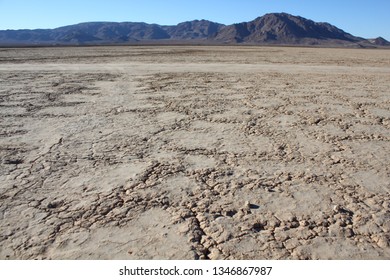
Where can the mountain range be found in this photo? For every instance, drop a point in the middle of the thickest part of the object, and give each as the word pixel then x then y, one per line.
pixel 270 29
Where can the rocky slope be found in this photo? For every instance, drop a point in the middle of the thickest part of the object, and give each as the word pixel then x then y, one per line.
pixel 284 29
pixel 275 28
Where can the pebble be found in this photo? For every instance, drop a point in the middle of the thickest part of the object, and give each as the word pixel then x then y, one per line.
pixel 383 242
pixel 303 223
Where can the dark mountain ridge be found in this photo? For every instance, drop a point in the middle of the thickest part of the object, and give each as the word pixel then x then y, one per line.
pixel 111 32
pixel 275 29
pixel 283 28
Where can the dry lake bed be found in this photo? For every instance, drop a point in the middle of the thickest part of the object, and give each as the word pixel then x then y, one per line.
pixel 165 152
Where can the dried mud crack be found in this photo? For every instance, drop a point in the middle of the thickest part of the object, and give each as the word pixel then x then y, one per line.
pixel 138 153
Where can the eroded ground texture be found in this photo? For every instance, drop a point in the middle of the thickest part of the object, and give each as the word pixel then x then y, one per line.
pixel 194 153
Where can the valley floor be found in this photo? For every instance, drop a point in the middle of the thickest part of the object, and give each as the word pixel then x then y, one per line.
pixel 194 153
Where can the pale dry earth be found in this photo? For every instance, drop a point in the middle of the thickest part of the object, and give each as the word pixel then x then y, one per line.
pixel 194 153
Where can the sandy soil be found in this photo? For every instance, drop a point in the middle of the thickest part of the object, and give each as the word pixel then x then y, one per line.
pixel 194 153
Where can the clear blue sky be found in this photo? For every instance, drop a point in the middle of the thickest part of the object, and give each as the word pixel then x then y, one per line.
pixel 366 18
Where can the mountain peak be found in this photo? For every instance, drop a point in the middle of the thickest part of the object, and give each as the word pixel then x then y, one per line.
pixel 272 28
pixel 379 41
pixel 285 29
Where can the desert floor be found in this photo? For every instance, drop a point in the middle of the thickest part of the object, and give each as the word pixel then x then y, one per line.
pixel 194 153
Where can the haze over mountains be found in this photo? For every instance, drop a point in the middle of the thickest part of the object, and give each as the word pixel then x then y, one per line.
pixel 273 29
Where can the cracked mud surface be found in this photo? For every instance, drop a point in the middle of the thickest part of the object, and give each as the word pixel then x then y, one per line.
pixel 194 153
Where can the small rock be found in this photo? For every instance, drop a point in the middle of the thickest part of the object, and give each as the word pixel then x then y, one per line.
pixel 273 223
pixel 215 254
pixel 52 205
pixel 337 209
pixel 303 223
pixel 34 203
pixel 291 244
pixel 335 159
pixel 348 232
pixel 383 242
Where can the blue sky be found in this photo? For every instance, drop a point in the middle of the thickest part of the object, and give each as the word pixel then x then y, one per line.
pixel 366 18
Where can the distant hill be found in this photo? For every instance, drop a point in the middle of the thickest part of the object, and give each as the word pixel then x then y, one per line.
pixel 274 29
pixel 111 33
pixel 379 41
pixel 193 30
pixel 285 29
